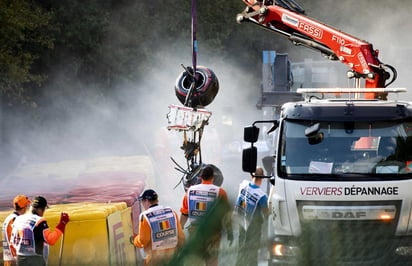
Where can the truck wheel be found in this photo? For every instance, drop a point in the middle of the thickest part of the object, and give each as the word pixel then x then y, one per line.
pixel 206 87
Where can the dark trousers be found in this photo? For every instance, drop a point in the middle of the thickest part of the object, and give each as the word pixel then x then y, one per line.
pixel 249 245
pixel 31 261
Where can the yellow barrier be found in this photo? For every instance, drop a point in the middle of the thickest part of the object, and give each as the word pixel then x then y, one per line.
pixel 87 189
pixel 97 234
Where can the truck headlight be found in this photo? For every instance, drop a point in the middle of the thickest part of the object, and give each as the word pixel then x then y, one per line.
pixel 404 251
pixel 284 250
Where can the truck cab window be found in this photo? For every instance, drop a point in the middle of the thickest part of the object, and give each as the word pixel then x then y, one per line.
pixel 368 148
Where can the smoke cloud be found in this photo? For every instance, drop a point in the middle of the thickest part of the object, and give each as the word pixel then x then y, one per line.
pixel 83 123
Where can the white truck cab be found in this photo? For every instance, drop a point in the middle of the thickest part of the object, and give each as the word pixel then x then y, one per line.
pixel 342 179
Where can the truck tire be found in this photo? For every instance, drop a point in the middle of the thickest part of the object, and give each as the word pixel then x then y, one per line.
pixel 207 86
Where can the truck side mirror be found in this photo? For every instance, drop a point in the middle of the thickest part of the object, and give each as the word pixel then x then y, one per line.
pixel 274 127
pixel 251 134
pixel 249 159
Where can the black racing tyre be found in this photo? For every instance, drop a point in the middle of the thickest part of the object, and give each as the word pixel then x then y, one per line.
pixel 193 178
pixel 207 86
pixel 218 175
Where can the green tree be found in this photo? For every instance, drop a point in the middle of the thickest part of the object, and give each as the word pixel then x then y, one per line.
pixel 24 35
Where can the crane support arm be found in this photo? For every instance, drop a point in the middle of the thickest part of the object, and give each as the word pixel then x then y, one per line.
pixel 287 18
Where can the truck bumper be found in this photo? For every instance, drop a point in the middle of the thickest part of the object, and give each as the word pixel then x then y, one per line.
pixel 286 250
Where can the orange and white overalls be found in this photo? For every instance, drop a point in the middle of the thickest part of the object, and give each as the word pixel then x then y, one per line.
pixel 9 253
pixel 160 234
pixel 31 236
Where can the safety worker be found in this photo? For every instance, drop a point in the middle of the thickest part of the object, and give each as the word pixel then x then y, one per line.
pixel 251 210
pixel 199 201
pixel 31 236
pixel 160 232
pixel 20 204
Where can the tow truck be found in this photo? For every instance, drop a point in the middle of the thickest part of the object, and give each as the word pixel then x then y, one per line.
pixel 341 171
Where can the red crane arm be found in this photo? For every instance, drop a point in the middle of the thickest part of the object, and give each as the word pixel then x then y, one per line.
pixel 291 23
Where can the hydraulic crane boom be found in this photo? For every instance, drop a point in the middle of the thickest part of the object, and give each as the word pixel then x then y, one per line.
pixel 287 18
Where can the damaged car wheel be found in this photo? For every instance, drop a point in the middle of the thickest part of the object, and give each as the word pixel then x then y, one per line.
pixel 206 87
pixel 193 177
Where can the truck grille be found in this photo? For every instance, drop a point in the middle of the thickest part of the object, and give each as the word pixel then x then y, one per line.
pixel 346 240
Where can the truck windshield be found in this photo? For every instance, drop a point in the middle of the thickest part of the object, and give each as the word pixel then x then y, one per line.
pixel 328 148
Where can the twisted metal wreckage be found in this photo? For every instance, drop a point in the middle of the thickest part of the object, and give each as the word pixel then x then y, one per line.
pixel 195 88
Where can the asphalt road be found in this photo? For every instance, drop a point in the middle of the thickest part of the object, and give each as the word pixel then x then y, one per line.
pixel 228 253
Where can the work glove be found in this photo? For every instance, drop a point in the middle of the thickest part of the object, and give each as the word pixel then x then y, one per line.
pixel 230 237
pixel 64 219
